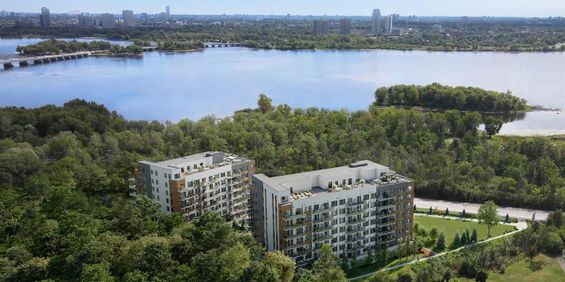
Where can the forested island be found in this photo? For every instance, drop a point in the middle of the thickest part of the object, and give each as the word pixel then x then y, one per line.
pixel 66 214
pixel 437 96
pixel 525 35
pixel 54 46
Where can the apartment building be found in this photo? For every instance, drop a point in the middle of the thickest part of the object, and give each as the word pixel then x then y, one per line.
pixel 351 207
pixel 192 185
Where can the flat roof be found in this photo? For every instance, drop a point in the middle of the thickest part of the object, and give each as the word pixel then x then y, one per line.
pixel 278 182
pixel 174 163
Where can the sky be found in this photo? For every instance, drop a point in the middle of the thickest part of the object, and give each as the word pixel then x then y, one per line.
pixel 503 8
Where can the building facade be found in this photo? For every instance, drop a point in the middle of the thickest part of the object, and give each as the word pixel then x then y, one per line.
pixel 107 20
pixel 192 185
pixel 354 208
pixel 388 24
pixel 345 26
pixel 376 22
pixel 85 20
pixel 129 18
pixel 321 27
pixel 44 18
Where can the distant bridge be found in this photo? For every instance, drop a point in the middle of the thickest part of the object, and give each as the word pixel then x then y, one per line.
pixel 221 44
pixel 26 61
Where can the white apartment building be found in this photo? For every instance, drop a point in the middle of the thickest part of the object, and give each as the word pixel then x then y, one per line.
pixel 353 208
pixel 192 185
pixel 376 22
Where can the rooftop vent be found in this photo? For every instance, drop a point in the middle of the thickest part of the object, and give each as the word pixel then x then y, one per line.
pixel 354 165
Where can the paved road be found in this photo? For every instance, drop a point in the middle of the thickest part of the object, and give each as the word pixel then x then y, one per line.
pixel 517 213
pixel 519 226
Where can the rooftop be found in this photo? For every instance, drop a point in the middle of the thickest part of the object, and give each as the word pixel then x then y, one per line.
pixel 382 176
pixel 177 163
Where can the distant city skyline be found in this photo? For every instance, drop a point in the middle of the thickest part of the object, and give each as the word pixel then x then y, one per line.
pixel 499 8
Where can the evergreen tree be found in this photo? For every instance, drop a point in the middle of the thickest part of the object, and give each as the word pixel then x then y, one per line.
pixel 456 241
pixel 440 244
pixel 474 237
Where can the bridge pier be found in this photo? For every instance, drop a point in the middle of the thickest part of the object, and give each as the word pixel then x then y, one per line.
pixel 8 65
pixel 46 60
pixel 37 61
pixel 24 63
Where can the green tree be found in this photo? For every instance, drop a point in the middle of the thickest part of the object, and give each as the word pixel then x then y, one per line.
pixel 474 237
pixel 555 218
pixel 492 125
pixel 234 262
pixel 456 241
pixel 325 268
pixel 440 244
pixel 488 215
pixel 264 103
pixel 96 272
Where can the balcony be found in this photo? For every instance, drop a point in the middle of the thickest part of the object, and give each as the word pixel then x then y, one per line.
pixel 355 204
pixel 296 225
pixel 385 224
pixel 355 212
pixel 355 238
pixel 297 245
pixel 321 210
pixel 295 216
pixel 298 235
pixel 323 228
pixel 322 238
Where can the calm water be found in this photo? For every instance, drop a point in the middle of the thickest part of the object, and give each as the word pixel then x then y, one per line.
pixel 166 86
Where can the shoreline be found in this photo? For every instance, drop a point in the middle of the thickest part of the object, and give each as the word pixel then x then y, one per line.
pixel 407 49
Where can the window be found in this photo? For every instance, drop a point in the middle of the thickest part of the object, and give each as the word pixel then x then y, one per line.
pixel 350 181
pixel 342 202
pixel 167 200
pixel 168 209
pixel 334 204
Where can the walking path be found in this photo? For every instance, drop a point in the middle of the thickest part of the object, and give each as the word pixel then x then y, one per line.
pixel 561 262
pixel 518 213
pixel 520 226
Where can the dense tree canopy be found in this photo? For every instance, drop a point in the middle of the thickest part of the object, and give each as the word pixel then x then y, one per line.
pixel 53 46
pixel 446 97
pixel 65 211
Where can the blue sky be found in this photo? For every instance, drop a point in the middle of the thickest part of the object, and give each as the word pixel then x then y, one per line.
pixel 525 8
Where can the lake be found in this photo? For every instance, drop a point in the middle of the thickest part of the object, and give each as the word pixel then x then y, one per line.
pixel 218 81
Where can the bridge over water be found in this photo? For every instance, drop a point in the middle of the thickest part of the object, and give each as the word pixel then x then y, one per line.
pixel 221 44
pixel 26 61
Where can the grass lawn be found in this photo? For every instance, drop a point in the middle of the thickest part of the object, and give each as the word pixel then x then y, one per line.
pixel 357 271
pixel 547 269
pixel 451 226
pixel 448 226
